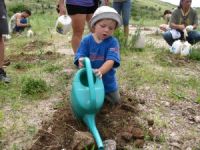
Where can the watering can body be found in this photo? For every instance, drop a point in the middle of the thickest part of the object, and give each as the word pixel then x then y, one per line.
pixel 87 97
pixel 81 101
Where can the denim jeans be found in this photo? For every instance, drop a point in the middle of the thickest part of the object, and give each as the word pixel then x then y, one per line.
pixel 19 29
pixel 124 9
pixel 193 37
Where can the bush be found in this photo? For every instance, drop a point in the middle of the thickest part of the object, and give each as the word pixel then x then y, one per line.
pixel 34 86
pixel 19 7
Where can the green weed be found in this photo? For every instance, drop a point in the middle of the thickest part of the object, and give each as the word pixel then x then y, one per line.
pixel 52 68
pixel 33 86
pixel 21 65
pixel 195 55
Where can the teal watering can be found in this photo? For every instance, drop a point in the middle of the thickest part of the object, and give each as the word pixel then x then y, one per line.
pixel 87 97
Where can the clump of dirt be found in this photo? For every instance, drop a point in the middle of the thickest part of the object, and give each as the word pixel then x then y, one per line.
pixel 113 122
pixel 34 57
pixel 35 44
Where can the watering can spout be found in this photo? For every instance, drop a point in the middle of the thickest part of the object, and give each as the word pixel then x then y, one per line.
pixel 90 122
pixel 84 100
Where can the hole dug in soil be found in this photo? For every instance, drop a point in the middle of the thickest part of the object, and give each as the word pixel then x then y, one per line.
pixel 117 123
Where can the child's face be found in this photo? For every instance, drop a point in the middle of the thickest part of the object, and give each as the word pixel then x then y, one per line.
pixel 104 28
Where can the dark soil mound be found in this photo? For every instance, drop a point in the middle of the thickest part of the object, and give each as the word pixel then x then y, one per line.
pixel 117 123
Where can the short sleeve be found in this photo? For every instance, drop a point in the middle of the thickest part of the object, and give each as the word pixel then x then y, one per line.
pixel 113 52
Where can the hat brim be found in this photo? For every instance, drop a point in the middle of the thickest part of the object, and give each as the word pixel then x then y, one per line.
pixel 106 15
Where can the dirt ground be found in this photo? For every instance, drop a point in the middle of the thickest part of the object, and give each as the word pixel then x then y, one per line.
pixel 125 124
pixel 113 122
pixel 132 123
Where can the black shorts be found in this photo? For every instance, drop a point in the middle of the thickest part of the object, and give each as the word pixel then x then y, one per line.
pixel 3 19
pixel 74 9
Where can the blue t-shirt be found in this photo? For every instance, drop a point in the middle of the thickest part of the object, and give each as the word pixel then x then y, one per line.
pixel 98 53
pixel 85 3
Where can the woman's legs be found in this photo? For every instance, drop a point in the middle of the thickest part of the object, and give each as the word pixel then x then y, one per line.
pixel 126 10
pixel 168 37
pixel 1 51
pixel 78 24
pixel 193 37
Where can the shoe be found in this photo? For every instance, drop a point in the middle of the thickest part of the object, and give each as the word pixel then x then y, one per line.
pixel 3 76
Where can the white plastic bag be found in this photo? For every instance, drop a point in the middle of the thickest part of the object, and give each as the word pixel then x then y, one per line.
pixel 63 24
pixel 176 47
pixel 140 42
pixel 29 33
pixel 185 48
pixel 175 34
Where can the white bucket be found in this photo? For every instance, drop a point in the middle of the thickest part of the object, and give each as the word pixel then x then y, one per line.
pixel 63 24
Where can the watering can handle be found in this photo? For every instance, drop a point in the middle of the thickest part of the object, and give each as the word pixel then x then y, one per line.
pixel 90 78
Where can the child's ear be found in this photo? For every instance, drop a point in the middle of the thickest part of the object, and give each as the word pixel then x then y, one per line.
pixel 92 29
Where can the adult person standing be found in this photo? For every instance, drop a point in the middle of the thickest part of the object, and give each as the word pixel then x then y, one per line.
pixel 80 11
pixel 3 30
pixel 123 7
pixel 184 20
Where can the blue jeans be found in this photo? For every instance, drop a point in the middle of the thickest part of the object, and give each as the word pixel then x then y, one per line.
pixel 124 9
pixel 193 37
pixel 19 29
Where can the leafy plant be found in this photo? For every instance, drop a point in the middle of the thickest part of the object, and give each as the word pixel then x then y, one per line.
pixel 32 86
pixel 17 7
pixel 52 68
pixel 195 55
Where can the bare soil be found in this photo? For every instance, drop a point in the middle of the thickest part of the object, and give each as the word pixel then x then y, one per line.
pixel 143 120
pixel 113 122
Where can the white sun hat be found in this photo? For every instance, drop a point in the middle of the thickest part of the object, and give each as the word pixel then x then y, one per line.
pixel 63 24
pixel 105 12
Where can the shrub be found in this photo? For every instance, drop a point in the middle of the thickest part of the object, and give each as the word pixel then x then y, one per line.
pixel 19 7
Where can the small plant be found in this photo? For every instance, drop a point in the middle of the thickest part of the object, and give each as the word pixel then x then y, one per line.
pixel 52 68
pixel 198 100
pixel 32 86
pixel 125 44
pixel 21 65
pixel 195 55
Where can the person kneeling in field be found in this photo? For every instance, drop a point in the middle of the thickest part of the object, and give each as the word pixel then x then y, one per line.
pixel 183 22
pixel 19 21
pixel 103 50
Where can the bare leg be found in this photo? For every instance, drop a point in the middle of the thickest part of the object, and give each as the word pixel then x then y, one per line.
pixel 1 51
pixel 126 31
pixel 78 24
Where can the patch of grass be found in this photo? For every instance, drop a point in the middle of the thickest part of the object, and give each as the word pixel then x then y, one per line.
pixel 198 100
pixel 22 65
pixel 31 130
pixel 34 86
pixel 51 68
pixel 1 126
pixel 195 55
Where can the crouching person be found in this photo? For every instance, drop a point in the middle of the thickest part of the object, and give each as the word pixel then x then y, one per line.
pixel 184 21
pixel 19 21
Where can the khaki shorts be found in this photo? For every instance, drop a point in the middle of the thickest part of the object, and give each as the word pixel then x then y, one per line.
pixel 3 19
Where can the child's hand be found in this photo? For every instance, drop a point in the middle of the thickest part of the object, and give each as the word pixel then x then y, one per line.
pixel 98 73
pixel 80 62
